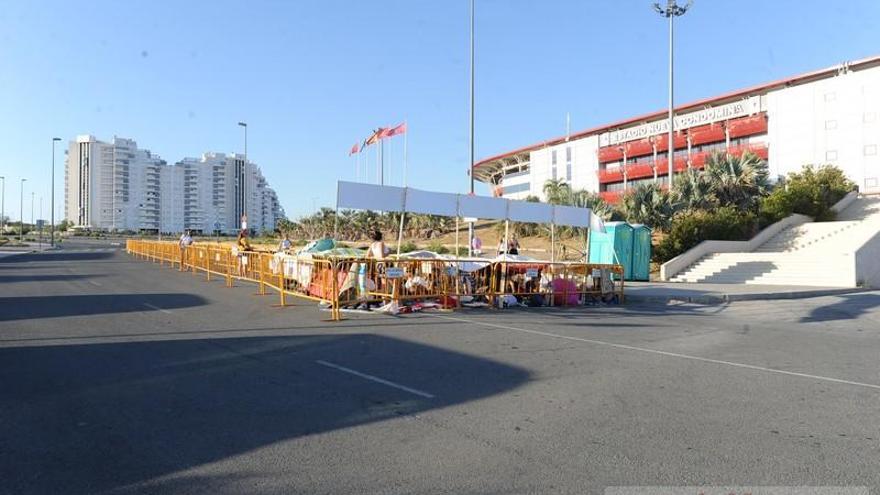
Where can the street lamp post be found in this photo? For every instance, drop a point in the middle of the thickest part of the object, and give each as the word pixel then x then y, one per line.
pixel 21 211
pixel 52 213
pixel 671 11
pixel 471 171
pixel 3 204
pixel 244 172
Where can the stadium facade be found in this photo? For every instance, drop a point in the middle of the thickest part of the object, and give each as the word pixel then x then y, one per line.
pixel 826 116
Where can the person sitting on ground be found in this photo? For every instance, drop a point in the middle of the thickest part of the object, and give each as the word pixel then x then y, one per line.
pixel 184 242
pixel 243 247
pixel 513 245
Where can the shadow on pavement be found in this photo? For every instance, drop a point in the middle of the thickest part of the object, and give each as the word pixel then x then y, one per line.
pixel 43 278
pixel 57 256
pixel 55 306
pixel 134 416
pixel 849 307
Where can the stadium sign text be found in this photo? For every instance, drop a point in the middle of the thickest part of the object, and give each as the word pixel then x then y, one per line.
pixel 740 108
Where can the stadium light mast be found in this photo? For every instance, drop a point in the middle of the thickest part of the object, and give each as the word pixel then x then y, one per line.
pixel 2 204
pixel 21 213
pixel 471 170
pixel 52 213
pixel 243 185
pixel 671 11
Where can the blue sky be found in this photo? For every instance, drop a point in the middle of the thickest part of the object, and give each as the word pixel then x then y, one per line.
pixel 311 77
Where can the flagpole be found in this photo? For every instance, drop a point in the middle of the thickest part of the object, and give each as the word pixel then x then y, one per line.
pixel 391 161
pixel 357 167
pixel 377 164
pixel 405 132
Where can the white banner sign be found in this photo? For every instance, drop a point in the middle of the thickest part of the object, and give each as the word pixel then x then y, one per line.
pixel 361 196
pixel 524 211
pixel 482 207
pixel 431 203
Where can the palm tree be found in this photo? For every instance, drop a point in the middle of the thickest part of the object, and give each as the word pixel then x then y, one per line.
pixel 557 192
pixel 739 181
pixel 585 199
pixel 693 190
pixel 648 204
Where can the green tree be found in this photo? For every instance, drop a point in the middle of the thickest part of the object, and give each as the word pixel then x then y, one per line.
pixel 738 181
pixel 692 190
pixel 812 192
pixel 557 192
pixel 649 204
pixel 691 227
pixel 585 199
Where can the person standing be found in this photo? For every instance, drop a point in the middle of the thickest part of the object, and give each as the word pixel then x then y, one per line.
pixel 285 244
pixel 502 246
pixel 476 246
pixel 244 246
pixel 184 243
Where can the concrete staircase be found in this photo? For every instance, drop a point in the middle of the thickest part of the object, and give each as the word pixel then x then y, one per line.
pixel 810 254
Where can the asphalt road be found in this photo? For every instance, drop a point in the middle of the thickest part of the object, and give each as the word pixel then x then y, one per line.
pixel 120 376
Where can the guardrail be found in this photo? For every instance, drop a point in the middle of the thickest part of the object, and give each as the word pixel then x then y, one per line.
pixel 345 282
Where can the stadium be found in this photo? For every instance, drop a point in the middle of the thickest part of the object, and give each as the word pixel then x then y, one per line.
pixel 824 116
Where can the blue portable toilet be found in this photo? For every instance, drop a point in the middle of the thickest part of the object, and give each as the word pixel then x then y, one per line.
pixel 613 247
pixel 641 253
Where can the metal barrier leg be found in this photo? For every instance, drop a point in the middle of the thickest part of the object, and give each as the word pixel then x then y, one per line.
pixel 281 288
pixel 262 281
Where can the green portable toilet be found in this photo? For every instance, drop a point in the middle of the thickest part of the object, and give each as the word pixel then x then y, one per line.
pixel 641 253
pixel 615 246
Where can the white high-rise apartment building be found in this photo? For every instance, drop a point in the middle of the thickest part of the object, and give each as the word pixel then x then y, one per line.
pixel 219 188
pixel 116 186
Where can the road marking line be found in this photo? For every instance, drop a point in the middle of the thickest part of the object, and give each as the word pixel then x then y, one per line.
pixel 663 353
pixel 96 284
pixel 157 308
pixel 376 379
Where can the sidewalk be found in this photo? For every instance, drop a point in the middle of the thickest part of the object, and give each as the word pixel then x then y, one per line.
pixel 665 292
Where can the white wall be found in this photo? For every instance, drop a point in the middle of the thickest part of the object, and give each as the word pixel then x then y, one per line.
pixel 584 160
pixel 835 120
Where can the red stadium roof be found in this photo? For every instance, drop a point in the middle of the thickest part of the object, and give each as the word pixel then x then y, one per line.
pixel 761 88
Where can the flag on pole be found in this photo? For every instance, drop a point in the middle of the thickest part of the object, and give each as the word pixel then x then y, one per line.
pixel 395 131
pixel 354 149
pixel 373 139
pixel 384 132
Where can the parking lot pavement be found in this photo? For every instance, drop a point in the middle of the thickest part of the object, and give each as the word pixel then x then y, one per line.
pixel 124 377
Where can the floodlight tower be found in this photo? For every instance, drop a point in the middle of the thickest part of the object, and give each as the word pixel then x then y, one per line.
pixel 671 11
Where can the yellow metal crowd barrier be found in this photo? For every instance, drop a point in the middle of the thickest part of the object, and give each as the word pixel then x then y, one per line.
pixel 346 282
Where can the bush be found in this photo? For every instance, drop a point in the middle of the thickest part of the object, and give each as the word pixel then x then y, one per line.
pixel 812 192
pixel 438 248
pixel 408 247
pixel 691 227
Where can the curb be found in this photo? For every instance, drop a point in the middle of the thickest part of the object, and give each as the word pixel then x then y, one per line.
pixel 721 298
